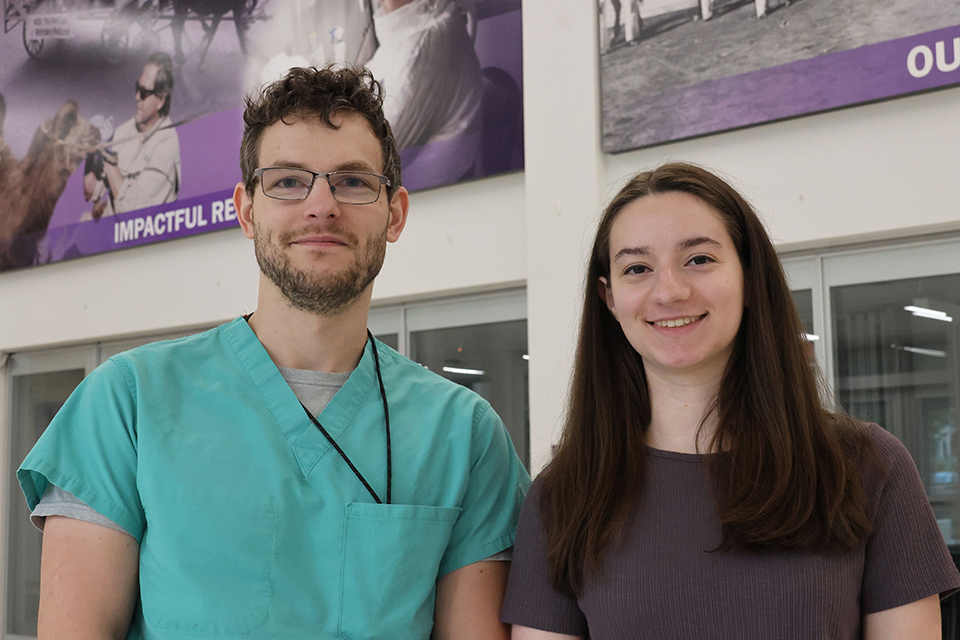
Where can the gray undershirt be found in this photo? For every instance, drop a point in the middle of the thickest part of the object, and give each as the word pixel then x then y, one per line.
pixel 315 389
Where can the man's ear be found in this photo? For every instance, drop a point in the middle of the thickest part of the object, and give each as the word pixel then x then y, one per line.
pixel 243 203
pixel 603 290
pixel 399 206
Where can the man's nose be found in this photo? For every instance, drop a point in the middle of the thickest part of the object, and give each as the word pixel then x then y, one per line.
pixel 320 202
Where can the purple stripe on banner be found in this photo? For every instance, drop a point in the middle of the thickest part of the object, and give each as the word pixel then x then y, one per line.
pixel 178 219
pixel 906 65
pixel 209 148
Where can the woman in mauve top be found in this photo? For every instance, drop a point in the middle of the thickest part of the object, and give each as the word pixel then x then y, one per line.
pixel 701 488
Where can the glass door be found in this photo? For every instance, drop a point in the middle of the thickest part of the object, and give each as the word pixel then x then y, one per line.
pixel 887 322
pixel 895 320
pixel 40 384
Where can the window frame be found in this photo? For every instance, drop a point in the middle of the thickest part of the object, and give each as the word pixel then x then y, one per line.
pixel 822 270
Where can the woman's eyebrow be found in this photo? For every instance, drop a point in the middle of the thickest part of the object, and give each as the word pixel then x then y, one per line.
pixel 632 251
pixel 697 241
pixel 683 245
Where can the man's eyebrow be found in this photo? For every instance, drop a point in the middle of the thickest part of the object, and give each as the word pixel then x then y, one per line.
pixel 293 164
pixel 353 165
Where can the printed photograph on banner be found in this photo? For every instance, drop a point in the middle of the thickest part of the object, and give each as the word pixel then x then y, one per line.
pixel 452 71
pixel 675 69
pixel 120 120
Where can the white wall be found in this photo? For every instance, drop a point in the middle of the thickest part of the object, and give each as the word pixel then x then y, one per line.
pixel 875 170
pixel 210 278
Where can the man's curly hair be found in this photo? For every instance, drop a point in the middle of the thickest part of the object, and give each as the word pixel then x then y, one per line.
pixel 321 93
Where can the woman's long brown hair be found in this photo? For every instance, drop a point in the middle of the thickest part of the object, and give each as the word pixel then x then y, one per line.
pixel 789 477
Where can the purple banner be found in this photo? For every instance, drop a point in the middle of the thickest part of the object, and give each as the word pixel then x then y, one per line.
pixel 883 70
pixel 182 218
pixel 209 151
pixel 675 75
pixel 120 123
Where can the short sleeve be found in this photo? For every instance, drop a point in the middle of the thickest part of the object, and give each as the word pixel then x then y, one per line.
pixel 90 450
pixel 493 496
pixel 531 599
pixel 57 502
pixel 906 558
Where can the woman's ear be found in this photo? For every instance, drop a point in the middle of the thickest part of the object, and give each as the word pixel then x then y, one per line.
pixel 606 294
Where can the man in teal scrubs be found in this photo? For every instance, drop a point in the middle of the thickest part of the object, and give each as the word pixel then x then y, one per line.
pixel 284 475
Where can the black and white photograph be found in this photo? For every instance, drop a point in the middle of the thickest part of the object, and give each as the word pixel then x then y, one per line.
pixel 672 69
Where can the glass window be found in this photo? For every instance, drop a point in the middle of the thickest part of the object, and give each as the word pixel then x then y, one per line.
pixel 490 359
pixel 36 399
pixel 887 321
pixel 896 363
pixel 479 341
pixel 389 339
pixel 803 298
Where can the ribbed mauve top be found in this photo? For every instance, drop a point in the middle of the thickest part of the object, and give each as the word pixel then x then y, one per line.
pixel 663 582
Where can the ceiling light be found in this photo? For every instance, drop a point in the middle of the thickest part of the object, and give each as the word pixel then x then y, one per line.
pixel 809 337
pixel 933 314
pixel 467 372
pixel 936 353
pixel 525 356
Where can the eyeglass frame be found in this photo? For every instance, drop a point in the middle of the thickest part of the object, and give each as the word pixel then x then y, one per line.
pixel 143 93
pixel 383 180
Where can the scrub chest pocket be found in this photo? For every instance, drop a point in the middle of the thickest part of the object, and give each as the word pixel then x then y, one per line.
pixel 388 575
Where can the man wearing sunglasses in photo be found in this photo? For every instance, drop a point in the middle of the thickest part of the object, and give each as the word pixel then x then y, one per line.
pixel 285 475
pixel 141 166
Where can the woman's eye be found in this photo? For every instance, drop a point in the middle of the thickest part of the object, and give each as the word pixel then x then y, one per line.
pixel 701 260
pixel 636 269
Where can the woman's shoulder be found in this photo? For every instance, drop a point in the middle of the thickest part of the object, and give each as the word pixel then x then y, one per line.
pixel 535 491
pixel 868 442
pixel 886 464
pixel 888 447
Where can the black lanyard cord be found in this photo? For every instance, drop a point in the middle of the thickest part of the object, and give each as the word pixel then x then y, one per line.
pixel 386 418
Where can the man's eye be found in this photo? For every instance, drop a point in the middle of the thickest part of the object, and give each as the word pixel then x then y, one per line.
pixel 288 183
pixel 351 182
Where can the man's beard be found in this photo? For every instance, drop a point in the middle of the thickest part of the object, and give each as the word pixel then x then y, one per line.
pixel 324 293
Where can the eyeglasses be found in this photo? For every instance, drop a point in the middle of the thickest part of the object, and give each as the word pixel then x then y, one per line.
pixel 347 187
pixel 145 93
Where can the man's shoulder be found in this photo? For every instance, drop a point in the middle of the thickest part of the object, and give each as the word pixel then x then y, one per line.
pixel 165 354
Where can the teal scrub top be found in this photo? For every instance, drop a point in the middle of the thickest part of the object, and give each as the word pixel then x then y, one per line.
pixel 249 522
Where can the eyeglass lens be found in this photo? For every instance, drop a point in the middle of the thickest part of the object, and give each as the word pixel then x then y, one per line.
pixel 294 184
